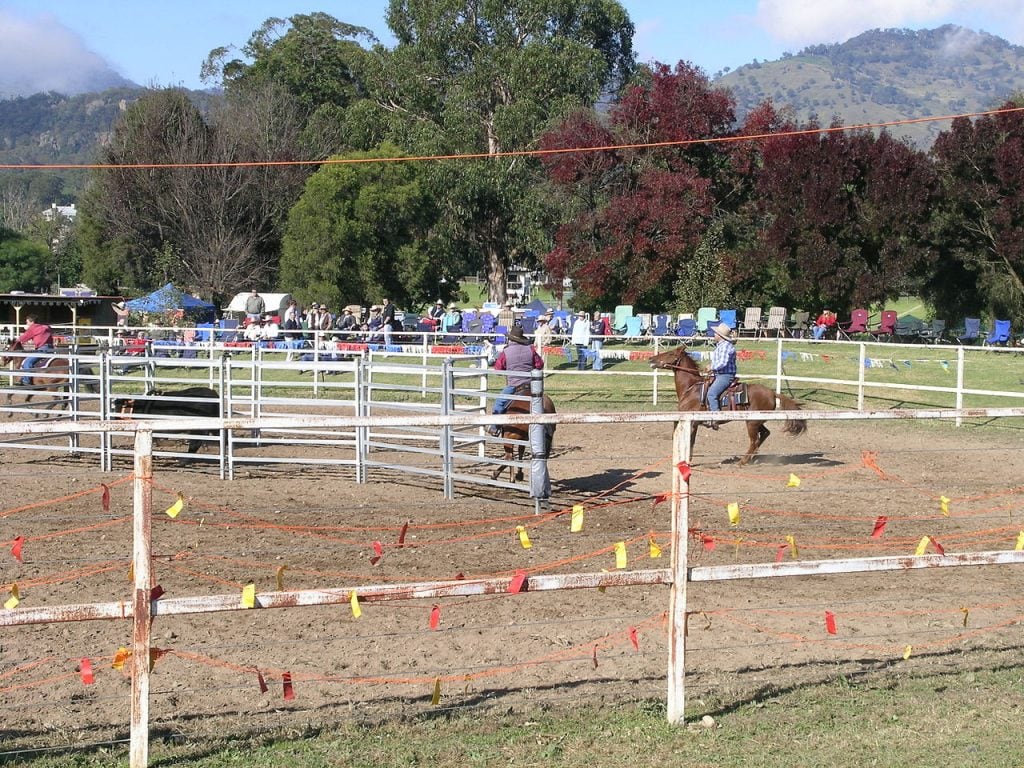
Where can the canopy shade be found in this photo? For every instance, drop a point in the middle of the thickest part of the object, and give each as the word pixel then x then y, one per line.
pixel 169 299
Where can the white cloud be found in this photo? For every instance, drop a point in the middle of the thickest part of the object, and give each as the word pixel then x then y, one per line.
pixel 802 22
pixel 40 54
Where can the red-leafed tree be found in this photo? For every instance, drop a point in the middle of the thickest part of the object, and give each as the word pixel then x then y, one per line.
pixel 979 223
pixel 634 215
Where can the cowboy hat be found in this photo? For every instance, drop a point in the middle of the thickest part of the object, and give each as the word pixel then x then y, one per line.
pixel 517 335
pixel 723 330
pixel 452 306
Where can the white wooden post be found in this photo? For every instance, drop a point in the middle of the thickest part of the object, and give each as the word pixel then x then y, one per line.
pixel 141 630
pixel 677 597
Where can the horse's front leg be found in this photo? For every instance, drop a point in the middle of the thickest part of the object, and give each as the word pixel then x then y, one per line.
pixel 758 433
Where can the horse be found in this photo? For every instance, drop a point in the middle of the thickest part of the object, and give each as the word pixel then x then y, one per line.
pixel 52 375
pixel 521 432
pixel 192 402
pixel 690 391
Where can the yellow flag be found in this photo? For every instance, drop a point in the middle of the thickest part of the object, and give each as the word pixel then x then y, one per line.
pixel 944 505
pixel 122 655
pixel 524 537
pixel 966 612
pixel 922 546
pixel 14 599
pixel 280 577
pixel 1020 541
pixel 907 651
pixel 653 549
pixel 794 481
pixel 131 571
pixel 577 519
pixel 620 554
pixel 249 596
pixel 792 546
pixel 173 510
pixel 354 602
pixel 734 513
pixel 435 697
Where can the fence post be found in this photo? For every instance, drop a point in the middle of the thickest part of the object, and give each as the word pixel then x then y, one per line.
pixel 861 376
pixel 447 402
pixel 141 597
pixel 959 382
pixel 540 481
pixel 677 597
pixel 363 410
pixel 227 446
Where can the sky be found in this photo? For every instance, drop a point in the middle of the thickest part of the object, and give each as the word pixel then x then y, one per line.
pixel 52 44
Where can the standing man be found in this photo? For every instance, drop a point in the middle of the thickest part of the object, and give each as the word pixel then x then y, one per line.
pixel 518 358
pixel 543 336
pixel 506 316
pixel 40 336
pixel 580 338
pixel 388 318
pixel 255 307
pixel 722 367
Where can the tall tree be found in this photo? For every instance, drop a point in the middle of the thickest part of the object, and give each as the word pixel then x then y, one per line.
pixel 485 77
pixel 979 224
pixel 22 263
pixel 358 234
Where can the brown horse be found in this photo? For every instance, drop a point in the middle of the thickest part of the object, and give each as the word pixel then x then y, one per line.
pixel 52 376
pixel 521 432
pixel 690 391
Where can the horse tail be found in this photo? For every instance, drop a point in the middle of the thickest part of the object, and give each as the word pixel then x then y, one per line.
pixel 793 427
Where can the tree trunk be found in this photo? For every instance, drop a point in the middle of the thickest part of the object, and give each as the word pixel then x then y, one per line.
pixel 497 272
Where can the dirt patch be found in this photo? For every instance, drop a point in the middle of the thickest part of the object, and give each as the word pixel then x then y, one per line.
pixel 315 528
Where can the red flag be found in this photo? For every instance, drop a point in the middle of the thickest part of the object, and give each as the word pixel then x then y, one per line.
pixel 781 552
pixel 261 681
pixel 830 622
pixel 286 682
pixel 435 616
pixel 659 498
pixel 633 638
pixel 16 548
pixel 684 470
pixel 105 498
pixel 156 593
pixel 379 550
pixel 401 534
pixel 879 527
pixel 708 542
pixel 516 585
pixel 938 547
pixel 595 657
pixel 85 672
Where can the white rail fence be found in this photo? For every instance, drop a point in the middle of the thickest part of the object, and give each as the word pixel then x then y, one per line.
pixel 144 610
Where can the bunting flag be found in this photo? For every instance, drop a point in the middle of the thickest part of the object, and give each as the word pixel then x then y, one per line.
pixel 621 560
pixel 14 599
pixel 105 497
pixel 280 577
pixel 780 553
pixel 122 655
pixel 938 547
pixel 85 672
pixel 922 546
pixel 576 524
pixel 262 682
pixel 793 482
pixel 378 553
pixel 879 529
pixel 515 586
pixel 435 697
pixel 524 537
pixel 435 616
pixel 633 638
pixel 286 684
pixel 907 651
pixel 175 508
pixel 944 505
pixel 791 540
pixel 156 592
pixel 16 547
pixel 1020 542
pixel 966 612
pixel 708 542
pixel 734 513
pixel 401 534
pixel 594 657
pixel 249 596
pixel 830 622
pixel 684 471
pixel 353 601
pixel 653 550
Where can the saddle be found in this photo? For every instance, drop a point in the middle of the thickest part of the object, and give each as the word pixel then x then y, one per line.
pixel 735 397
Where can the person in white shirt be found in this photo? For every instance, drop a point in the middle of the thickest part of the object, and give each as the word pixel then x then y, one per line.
pixel 271 330
pixel 580 338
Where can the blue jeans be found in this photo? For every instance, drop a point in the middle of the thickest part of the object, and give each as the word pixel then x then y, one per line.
pixel 387 334
pixel 596 345
pixel 29 363
pixel 718 386
pixel 581 362
pixel 819 331
pixel 501 404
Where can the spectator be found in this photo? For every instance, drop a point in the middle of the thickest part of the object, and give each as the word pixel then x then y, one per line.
pixel 825 324
pixel 345 324
pixel 375 326
pixel 599 328
pixel 452 322
pixel 580 339
pixel 122 312
pixel 255 307
pixel 436 313
pixel 507 316
pixel 292 319
pixel 254 330
pixel 543 336
pixel 271 330
pixel 388 321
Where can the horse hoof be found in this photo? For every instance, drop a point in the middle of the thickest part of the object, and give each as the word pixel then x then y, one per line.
pixel 519 476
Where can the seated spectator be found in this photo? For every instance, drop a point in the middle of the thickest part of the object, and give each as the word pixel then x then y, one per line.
pixel 345 324
pixel 254 331
pixel 271 330
pixel 825 324
pixel 375 325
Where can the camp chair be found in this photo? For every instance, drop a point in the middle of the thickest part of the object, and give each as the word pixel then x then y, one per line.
pixel 487 322
pixel 727 316
pixel 646 323
pixel 971 331
pixel 687 328
pixel 934 332
pixel 528 324
pixel 886 325
pixel 660 327
pixel 751 322
pixel 798 323
pixel 706 317
pixel 1000 334
pixel 858 324
pixel 776 321
pixel 908 328
pixel 632 328
pixel 622 313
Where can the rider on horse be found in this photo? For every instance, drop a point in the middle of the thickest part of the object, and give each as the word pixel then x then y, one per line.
pixel 722 367
pixel 518 357
pixel 41 337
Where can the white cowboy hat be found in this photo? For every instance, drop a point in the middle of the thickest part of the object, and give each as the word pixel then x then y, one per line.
pixel 723 330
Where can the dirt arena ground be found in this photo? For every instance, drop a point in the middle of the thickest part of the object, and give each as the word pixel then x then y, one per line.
pixel 316 529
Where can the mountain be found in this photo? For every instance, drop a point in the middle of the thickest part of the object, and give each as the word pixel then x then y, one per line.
pixel 887 75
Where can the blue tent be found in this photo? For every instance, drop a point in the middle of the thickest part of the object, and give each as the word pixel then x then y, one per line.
pixel 168 299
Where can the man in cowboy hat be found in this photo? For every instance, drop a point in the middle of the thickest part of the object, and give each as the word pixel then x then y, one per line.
pixel 722 367
pixel 517 358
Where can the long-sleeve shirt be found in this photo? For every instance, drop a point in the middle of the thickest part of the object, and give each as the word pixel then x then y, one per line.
pixel 520 359
pixel 723 358
pixel 38 335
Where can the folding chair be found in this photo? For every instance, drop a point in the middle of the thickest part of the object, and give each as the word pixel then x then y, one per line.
pixel 1000 334
pixel 706 317
pixel 751 324
pixel 971 331
pixel 687 328
pixel 798 324
pixel 886 325
pixel 858 324
pixel 632 328
pixel 934 333
pixel 622 312
pixel 776 322
pixel 727 316
pixel 660 327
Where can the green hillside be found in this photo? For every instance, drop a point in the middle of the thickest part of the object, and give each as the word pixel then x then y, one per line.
pixel 887 75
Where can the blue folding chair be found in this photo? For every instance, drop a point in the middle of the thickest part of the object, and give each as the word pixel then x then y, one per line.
pixel 971 331
pixel 687 328
pixel 1000 334
pixel 661 325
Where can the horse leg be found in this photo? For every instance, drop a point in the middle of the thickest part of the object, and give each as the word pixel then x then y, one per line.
pixel 519 470
pixel 758 433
